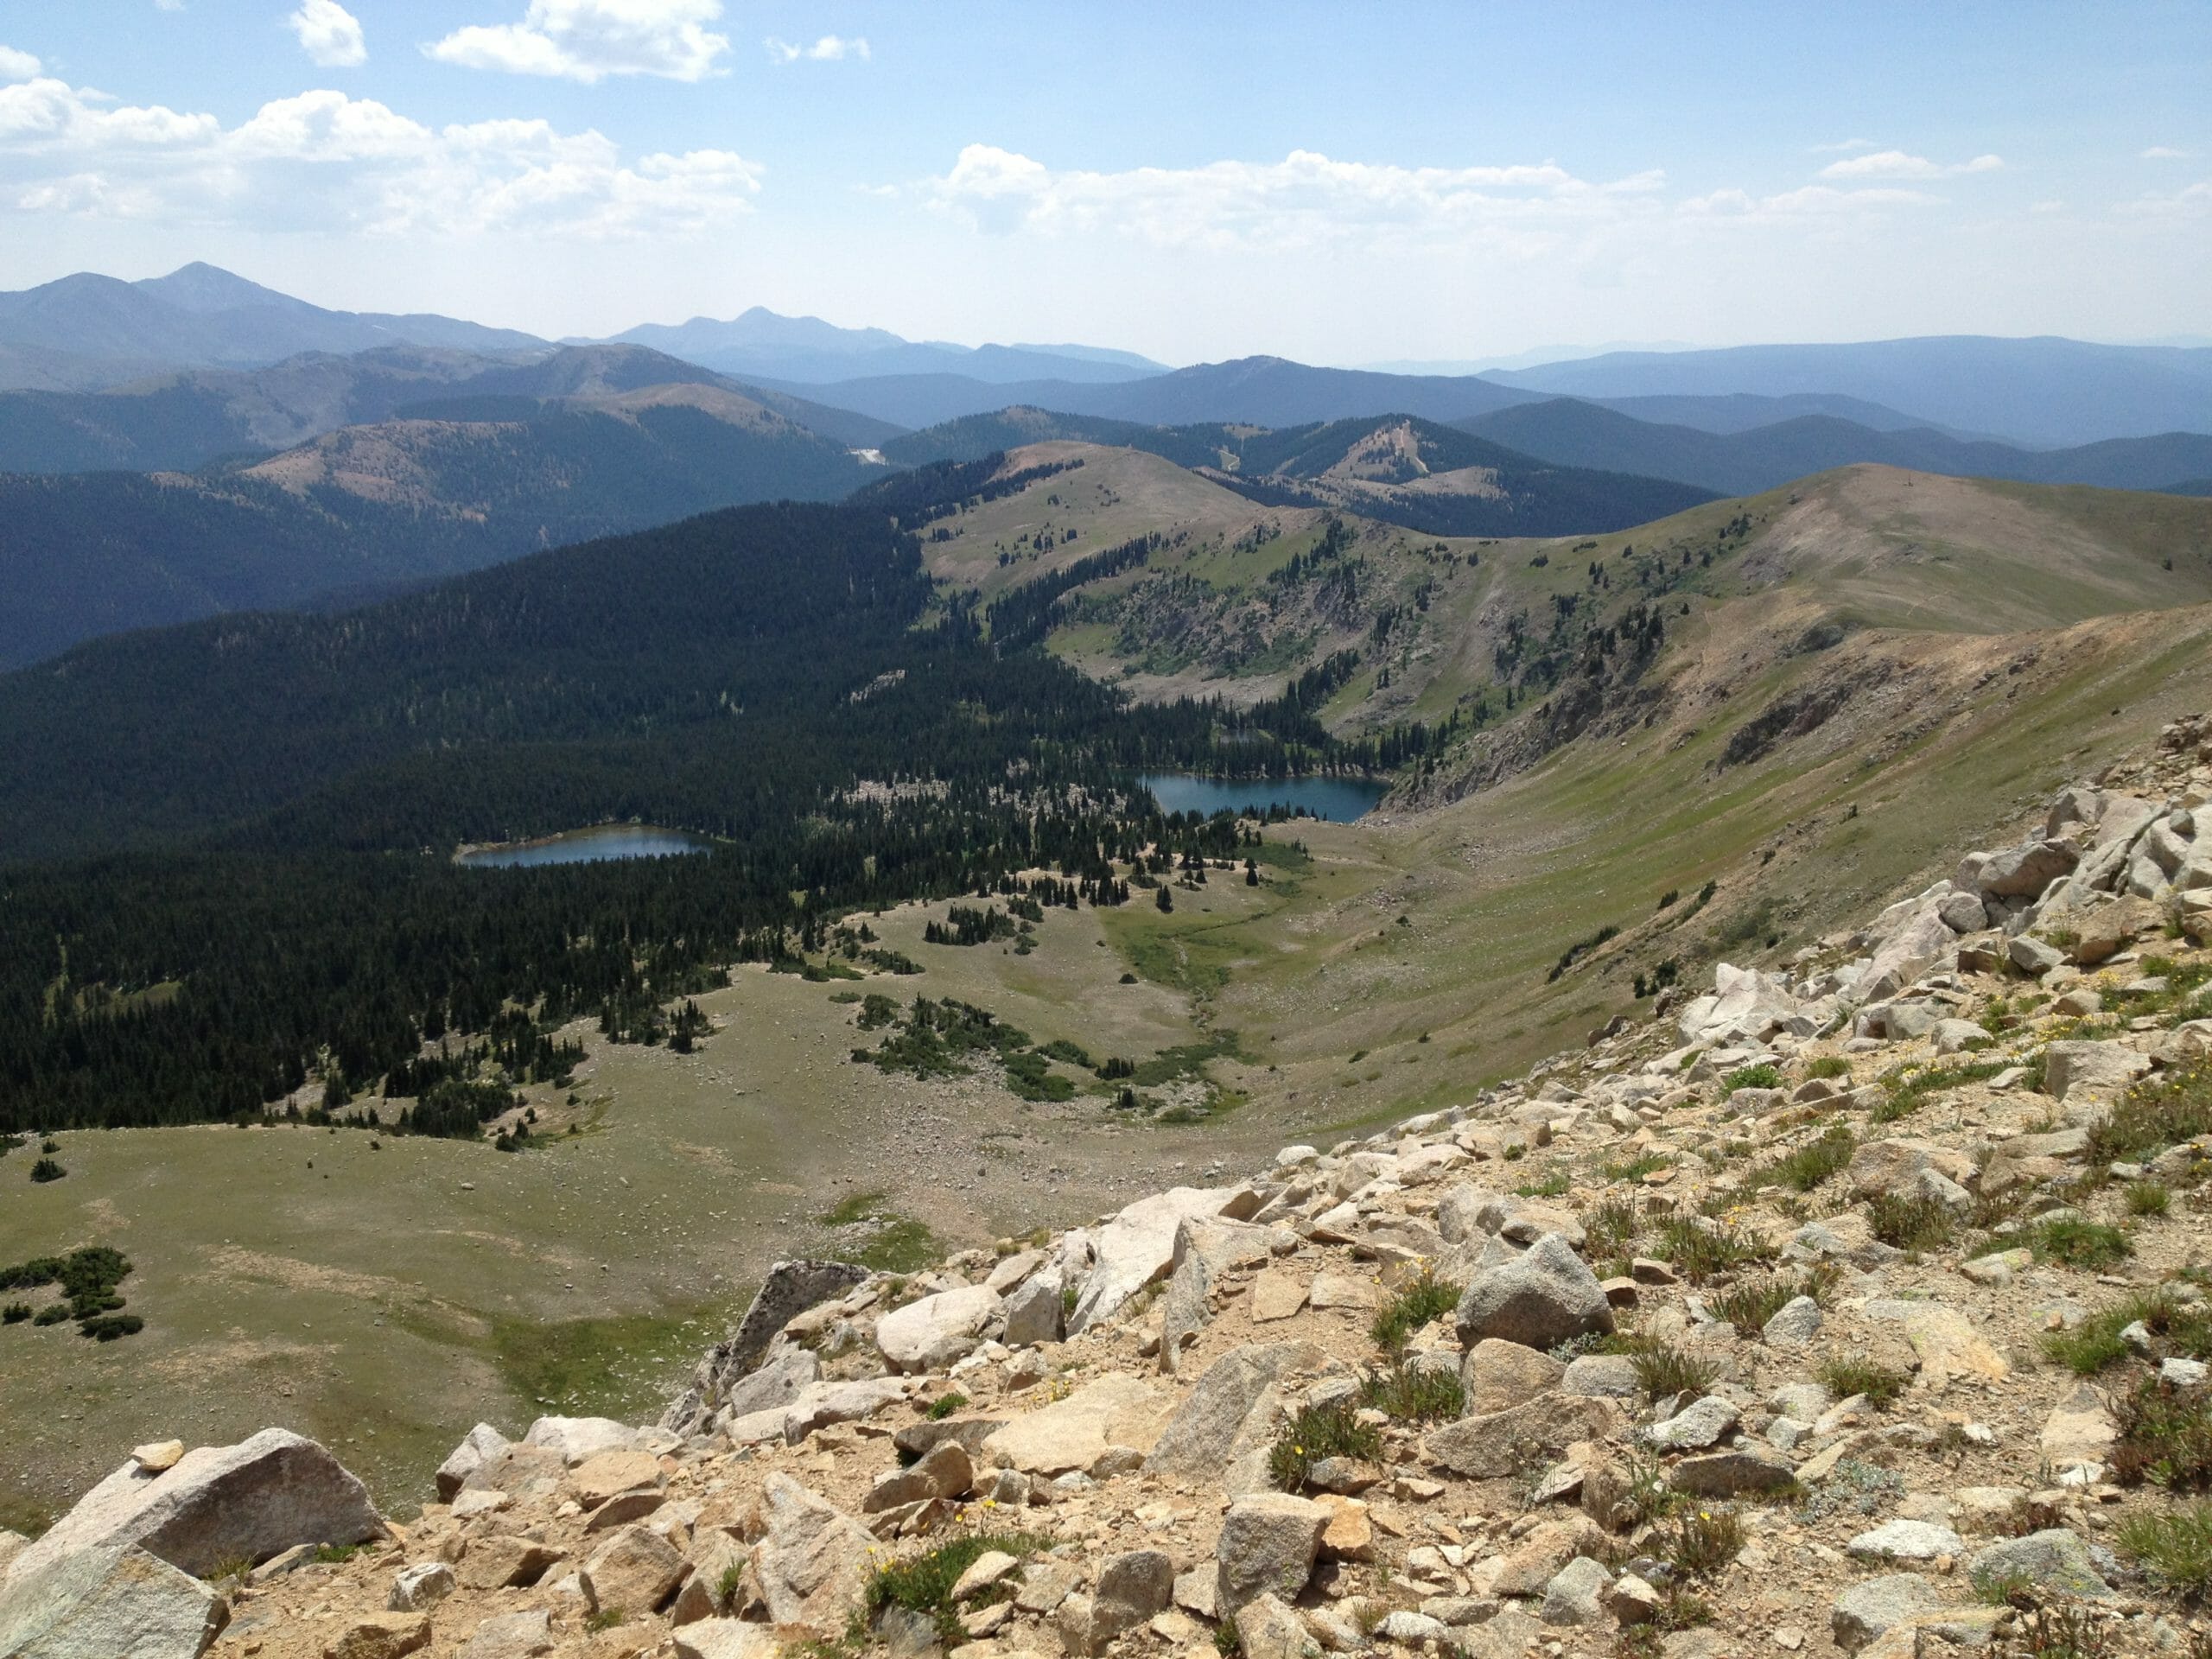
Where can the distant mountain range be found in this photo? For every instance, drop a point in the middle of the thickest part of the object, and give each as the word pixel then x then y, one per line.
pixel 761 343
pixel 1573 433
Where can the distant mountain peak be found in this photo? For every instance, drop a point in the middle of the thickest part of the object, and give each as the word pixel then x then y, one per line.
pixel 203 290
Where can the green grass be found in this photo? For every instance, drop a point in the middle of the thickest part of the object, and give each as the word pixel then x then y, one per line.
pixel 1636 1168
pixel 2089 1245
pixel 1319 1432
pixel 2164 1436
pixel 1829 1066
pixel 1765 1075
pixel 621 1367
pixel 900 1245
pixel 1843 1375
pixel 1411 1307
pixel 2175 1544
pixel 1415 1393
pixel 923 1583
pixel 2153 1117
pixel 1663 1369
pixel 1700 1250
pixel 2147 1200
pixel 1749 1304
pixel 1809 1165
pixel 1909 1222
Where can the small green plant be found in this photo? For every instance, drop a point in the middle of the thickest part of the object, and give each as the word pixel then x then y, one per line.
pixel 1809 1165
pixel 1612 1226
pixel 1553 1185
pixel 2058 1630
pixel 1328 1431
pixel 2164 1436
pixel 2178 1328
pixel 1636 1168
pixel 1411 1307
pixel 1649 1497
pixel 1662 1368
pixel 1227 1640
pixel 1765 1075
pixel 944 1405
pixel 2175 1544
pixel 2089 1245
pixel 334 1554
pixel 1415 1393
pixel 1829 1066
pixel 607 1618
pixel 2148 1198
pixel 1909 1222
pixel 1699 1249
pixel 728 1587
pixel 1704 1539
pixel 2155 1116
pixel 1751 1303
pixel 924 1583
pixel 1844 1375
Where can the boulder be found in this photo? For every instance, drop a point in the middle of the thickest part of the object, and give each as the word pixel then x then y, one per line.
pixel 1794 1325
pixel 1746 1005
pixel 422 1585
pixel 379 1636
pixel 1267 1547
pixel 1546 1297
pixel 1697 1426
pixel 2094 1071
pixel 1276 1295
pixel 1732 1474
pixel 108 1600
pixel 482 1442
pixel 2104 932
pixel 1226 1425
pixel 2054 1560
pixel 1522 1437
pixel 708 1589
pixel 790 1289
pixel 1892 1166
pixel 1864 1610
pixel 1132 1588
pixel 2024 872
pixel 1072 1434
pixel 1035 1313
pixel 2080 1430
pixel 579 1437
pixel 1924 940
pixel 822 1404
pixel 929 1334
pixel 727 1638
pixel 635 1570
pixel 1269 1627
pixel 217 1504
pixel 811 1562
pixel 1608 1376
pixel 510 1636
pixel 1575 1594
pixel 1905 1540
pixel 1137 1246
pixel 506 1561
pixel 789 1372
pixel 2033 955
pixel 596 1479
pixel 1498 1375
pixel 1204 1251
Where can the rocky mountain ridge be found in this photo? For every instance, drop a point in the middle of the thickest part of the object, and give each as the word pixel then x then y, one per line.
pixel 1859 1304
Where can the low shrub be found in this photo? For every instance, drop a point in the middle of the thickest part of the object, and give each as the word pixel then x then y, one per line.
pixel 2077 1243
pixel 2178 1329
pixel 2175 1544
pixel 1330 1431
pixel 1663 1369
pixel 1844 1375
pixel 2164 1436
pixel 1415 1393
pixel 1811 1164
pixel 1765 1075
pixel 1704 1539
pixel 944 1405
pixel 1749 1304
pixel 1909 1222
pixel 1829 1066
pixel 924 1583
pixel 2148 1198
pixel 2153 1117
pixel 1699 1250
pixel 1411 1307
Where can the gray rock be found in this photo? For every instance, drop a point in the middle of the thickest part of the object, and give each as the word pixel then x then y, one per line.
pixel 1205 1249
pixel 1696 1426
pixel 2100 1070
pixel 580 1439
pixel 1794 1324
pixel 1575 1594
pixel 1226 1425
pixel 727 1638
pixel 1138 1246
pixel 1545 1298
pixel 825 1403
pixel 1729 1474
pixel 1267 1547
pixel 1803 1401
pixel 1905 1540
pixel 1865 1610
pixel 483 1442
pixel 636 1570
pixel 790 1289
pixel 2053 1559
pixel 1132 1588
pixel 1612 1375
pixel 510 1636
pixel 811 1562
pixel 1524 1438
pixel 108 1601
pixel 1413 1629
pixel 1035 1313
pixel 1957 1036
pixel 929 1334
pixel 219 1503
pixel 789 1372
pixel 2024 872
pixel 422 1585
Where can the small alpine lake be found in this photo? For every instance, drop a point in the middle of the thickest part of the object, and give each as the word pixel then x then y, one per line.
pixel 600 842
pixel 1340 800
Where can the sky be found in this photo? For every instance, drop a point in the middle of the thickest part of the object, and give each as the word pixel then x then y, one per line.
pixel 1339 184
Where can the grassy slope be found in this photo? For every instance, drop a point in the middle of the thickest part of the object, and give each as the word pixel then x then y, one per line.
pixel 386 1308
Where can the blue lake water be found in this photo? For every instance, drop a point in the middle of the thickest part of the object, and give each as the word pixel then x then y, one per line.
pixel 601 842
pixel 1337 799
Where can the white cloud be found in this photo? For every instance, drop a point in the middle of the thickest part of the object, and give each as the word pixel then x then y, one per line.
pixel 329 35
pixel 1847 146
pixel 17 66
pixel 323 160
pixel 2165 153
pixel 587 40
pixel 1896 164
pixel 1303 200
pixel 2192 201
pixel 168 5
pixel 830 48
pixel 1806 201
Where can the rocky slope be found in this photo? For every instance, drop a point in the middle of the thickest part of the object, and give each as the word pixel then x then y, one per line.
pixel 1859 1306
